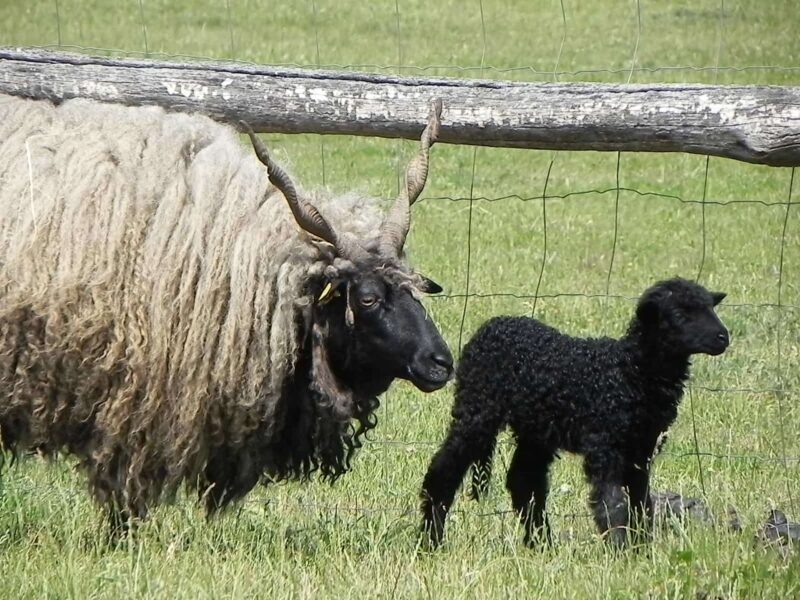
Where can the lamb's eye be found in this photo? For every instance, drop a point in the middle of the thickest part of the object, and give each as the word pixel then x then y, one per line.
pixel 680 316
pixel 368 300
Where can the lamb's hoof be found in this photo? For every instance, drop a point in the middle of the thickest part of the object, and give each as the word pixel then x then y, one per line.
pixel 671 505
pixel 778 532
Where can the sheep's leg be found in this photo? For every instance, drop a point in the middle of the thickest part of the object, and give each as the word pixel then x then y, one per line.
pixel 527 482
pixel 123 517
pixel 445 473
pixel 641 505
pixel 482 474
pixel 610 507
pixel 608 497
pixel 119 523
pixel 228 477
pixel 123 510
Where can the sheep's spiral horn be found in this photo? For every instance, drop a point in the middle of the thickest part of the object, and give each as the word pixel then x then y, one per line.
pixel 305 213
pixel 395 227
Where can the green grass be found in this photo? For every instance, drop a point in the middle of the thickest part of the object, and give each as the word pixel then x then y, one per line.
pixel 357 539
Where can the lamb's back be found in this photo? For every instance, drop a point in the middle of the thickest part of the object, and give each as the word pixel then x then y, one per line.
pixel 529 367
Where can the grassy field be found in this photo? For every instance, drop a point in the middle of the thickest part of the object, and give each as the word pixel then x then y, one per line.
pixel 726 222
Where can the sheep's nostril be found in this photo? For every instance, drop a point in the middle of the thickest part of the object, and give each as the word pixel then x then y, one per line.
pixel 443 360
pixel 723 337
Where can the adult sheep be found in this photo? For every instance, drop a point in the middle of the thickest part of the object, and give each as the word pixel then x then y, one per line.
pixel 164 319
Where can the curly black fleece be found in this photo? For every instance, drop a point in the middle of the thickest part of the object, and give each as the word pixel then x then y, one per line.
pixel 605 399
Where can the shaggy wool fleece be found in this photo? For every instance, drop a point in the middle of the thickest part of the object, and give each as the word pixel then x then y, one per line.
pixel 151 284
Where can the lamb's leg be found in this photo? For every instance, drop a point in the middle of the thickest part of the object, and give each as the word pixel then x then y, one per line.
pixel 482 474
pixel 527 482
pixel 608 498
pixel 641 505
pixel 445 473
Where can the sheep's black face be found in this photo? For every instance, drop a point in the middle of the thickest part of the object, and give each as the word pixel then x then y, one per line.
pixel 681 314
pixel 388 334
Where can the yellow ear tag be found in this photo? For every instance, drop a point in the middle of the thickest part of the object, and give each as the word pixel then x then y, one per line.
pixel 325 296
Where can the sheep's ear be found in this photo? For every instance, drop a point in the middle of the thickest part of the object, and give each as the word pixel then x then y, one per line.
pixel 647 311
pixel 429 286
pixel 717 297
pixel 652 304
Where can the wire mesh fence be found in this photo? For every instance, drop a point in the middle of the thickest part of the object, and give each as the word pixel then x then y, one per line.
pixel 541 196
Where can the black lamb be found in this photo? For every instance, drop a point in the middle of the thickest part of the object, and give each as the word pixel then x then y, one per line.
pixel 605 399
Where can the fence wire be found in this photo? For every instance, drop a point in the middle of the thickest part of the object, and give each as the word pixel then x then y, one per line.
pixel 782 390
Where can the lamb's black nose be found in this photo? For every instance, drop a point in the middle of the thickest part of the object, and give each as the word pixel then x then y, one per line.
pixel 723 337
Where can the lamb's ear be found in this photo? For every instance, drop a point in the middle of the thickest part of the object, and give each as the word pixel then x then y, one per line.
pixel 648 310
pixel 652 304
pixel 429 286
pixel 717 297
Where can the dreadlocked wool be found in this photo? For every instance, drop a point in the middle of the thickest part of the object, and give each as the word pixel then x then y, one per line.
pixel 152 288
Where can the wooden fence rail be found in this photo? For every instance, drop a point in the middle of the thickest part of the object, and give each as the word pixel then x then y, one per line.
pixel 757 124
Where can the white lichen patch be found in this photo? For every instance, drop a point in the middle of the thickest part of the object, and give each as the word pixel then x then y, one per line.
pixel 318 94
pixel 226 95
pixel 189 90
pixel 99 90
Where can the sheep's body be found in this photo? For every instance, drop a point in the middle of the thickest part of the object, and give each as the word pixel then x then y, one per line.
pixel 558 389
pixel 155 293
pixel 607 400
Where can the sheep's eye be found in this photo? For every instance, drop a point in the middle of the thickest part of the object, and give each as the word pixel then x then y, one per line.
pixel 368 300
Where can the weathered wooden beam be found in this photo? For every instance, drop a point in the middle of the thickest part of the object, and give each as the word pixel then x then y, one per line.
pixel 757 124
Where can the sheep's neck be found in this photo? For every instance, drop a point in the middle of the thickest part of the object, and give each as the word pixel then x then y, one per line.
pixel 654 358
pixel 363 381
